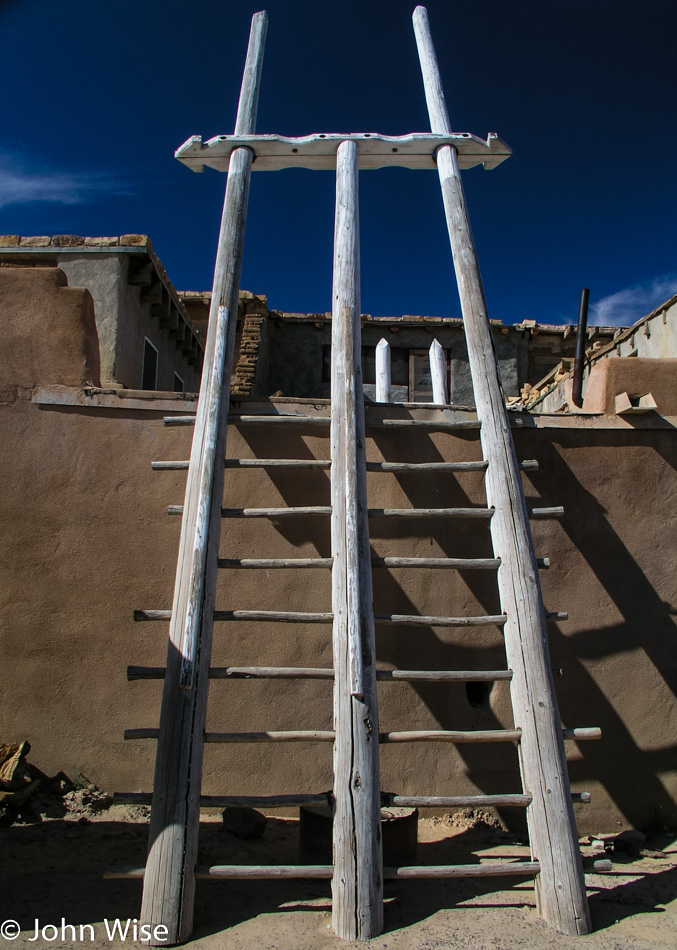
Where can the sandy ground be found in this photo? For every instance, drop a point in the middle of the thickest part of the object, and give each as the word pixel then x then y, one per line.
pixel 52 870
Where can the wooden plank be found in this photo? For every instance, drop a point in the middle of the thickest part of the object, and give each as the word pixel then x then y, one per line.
pixel 318 151
pixel 357 884
pixel 560 887
pixel 438 374
pixel 382 371
pixel 169 883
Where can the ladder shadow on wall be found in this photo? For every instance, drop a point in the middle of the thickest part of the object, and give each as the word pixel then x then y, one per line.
pixel 418 647
pixel 624 764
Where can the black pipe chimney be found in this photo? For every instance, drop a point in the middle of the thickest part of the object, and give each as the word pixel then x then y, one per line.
pixel 581 339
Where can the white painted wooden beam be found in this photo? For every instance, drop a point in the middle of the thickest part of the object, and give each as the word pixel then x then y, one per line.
pixel 318 151
pixel 438 374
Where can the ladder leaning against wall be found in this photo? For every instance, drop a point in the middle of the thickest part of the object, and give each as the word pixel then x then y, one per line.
pixel 357 873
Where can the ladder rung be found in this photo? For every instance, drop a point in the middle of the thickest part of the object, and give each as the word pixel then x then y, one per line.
pixel 556 512
pixel 425 423
pixel 556 615
pixel 480 466
pixel 320 673
pixel 387 800
pixel 234 872
pixel 275 512
pixel 179 420
pixel 275 563
pixel 266 418
pixel 273 616
pixel 290 616
pixel 234 801
pixel 278 463
pixel 585 732
pixel 484 513
pixel 528 465
pixel 456 801
pixel 449 735
pixel 286 735
pixel 458 563
pixel 414 620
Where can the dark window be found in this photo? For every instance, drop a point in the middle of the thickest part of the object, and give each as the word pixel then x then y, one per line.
pixel 150 361
pixel 178 384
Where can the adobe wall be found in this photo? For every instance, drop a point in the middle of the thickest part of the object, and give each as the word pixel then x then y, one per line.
pixel 86 540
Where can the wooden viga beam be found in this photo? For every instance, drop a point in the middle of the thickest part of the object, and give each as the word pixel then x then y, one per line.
pixel 560 886
pixel 169 884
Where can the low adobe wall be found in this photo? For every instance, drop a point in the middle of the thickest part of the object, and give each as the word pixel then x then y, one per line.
pixel 86 539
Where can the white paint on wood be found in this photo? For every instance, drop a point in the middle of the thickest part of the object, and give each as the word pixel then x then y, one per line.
pixel 382 371
pixel 357 883
pixel 438 373
pixel 319 150
pixel 560 885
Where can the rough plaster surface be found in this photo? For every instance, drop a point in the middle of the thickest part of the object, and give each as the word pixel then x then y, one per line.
pixel 101 275
pixel 87 540
pixel 610 377
pixel 48 330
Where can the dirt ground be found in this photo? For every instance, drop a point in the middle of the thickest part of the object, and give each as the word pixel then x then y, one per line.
pixel 52 870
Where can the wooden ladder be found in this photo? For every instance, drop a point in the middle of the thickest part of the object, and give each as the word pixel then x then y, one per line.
pixel 357 873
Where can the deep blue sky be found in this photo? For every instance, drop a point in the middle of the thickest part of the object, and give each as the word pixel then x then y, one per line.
pixel 98 96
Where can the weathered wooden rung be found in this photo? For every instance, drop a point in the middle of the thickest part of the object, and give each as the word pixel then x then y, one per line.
pixel 450 735
pixel 287 735
pixel 298 672
pixel 456 563
pixel 455 801
pixel 179 420
pixel 580 733
pixel 581 798
pixel 528 465
pixel 483 513
pixel 289 512
pixel 275 563
pixel 278 418
pixel 415 467
pixel 290 616
pixel 243 872
pixel 431 621
pixel 556 512
pixel 556 615
pixel 234 801
pixel 278 463
pixel 543 562
pixel 424 423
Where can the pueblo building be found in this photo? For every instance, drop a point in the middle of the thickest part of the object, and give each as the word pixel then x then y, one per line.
pixel 99 349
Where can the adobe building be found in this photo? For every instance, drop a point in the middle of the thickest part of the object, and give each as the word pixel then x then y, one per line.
pixel 87 538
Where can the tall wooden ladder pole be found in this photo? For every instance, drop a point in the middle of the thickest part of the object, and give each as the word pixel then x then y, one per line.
pixel 169 881
pixel 357 882
pixel 560 886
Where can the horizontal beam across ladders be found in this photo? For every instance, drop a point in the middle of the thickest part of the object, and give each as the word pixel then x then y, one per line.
pixel 318 151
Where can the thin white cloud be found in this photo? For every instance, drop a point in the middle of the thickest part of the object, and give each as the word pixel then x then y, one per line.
pixel 627 306
pixel 19 185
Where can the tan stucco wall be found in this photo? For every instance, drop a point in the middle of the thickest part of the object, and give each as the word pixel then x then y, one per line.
pixel 86 540
pixel 48 330
pixel 610 377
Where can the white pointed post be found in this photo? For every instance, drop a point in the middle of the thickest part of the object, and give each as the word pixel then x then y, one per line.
pixel 357 882
pixel 382 371
pixel 438 374
pixel 560 886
